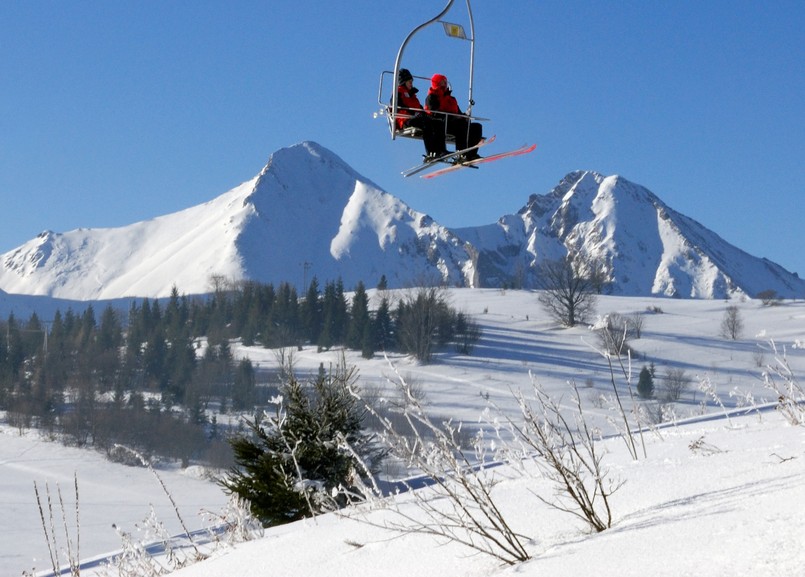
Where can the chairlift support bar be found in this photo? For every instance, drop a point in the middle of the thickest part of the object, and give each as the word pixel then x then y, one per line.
pixel 405 43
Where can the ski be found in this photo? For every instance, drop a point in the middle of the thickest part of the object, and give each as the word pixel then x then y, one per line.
pixel 446 158
pixel 474 163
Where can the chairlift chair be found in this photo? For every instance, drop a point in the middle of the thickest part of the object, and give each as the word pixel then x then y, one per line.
pixel 389 106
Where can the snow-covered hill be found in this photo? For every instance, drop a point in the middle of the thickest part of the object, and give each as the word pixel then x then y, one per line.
pixel 309 214
pixel 711 496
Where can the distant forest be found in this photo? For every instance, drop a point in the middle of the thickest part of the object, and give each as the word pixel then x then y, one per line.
pixel 157 379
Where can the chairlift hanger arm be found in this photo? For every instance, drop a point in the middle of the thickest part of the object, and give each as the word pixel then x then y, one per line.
pixel 471 102
pixel 394 97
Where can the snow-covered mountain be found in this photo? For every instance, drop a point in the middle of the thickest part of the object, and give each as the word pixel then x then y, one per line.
pixel 308 213
pixel 646 247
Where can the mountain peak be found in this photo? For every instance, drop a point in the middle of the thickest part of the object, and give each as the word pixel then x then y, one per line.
pixel 306 159
pixel 643 246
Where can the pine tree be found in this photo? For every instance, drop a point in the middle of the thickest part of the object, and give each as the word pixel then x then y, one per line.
pixel 368 342
pixel 243 388
pixel 311 312
pixel 334 312
pixel 290 462
pixel 359 318
pixel 382 327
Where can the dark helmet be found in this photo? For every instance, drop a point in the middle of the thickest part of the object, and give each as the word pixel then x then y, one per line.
pixel 404 76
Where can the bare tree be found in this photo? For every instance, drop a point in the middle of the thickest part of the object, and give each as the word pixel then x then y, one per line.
pixel 732 325
pixel 768 297
pixel 636 321
pixel 423 318
pixel 676 383
pixel 568 289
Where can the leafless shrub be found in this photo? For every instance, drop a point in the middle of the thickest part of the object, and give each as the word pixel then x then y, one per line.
pixel 20 420
pixel 463 509
pixel 708 388
pixel 622 423
pixel 567 453
pixel 780 379
pixel 702 447
pixel 655 412
pixel 141 557
pixel 146 463
pixel 49 527
pixel 614 333
pixel 460 506
pixel 134 559
pixel 636 322
pixel 286 361
pixel 745 399
pixel 234 524
pixel 759 357
pixel 597 400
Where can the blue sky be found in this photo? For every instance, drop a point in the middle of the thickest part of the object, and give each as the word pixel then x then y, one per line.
pixel 115 112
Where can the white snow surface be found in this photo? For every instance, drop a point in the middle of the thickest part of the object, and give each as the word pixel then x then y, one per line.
pixel 736 509
pixel 309 214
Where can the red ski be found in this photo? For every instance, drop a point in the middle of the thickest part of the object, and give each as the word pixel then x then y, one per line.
pixel 474 163
pixel 447 158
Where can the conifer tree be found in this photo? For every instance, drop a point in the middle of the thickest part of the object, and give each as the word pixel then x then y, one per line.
pixel 382 327
pixel 368 342
pixel 359 318
pixel 645 383
pixel 311 312
pixel 290 462
pixel 243 388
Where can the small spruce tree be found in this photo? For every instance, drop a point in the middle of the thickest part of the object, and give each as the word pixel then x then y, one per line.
pixel 645 383
pixel 289 464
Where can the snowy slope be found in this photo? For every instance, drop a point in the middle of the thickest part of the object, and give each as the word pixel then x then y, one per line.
pixel 680 513
pixel 733 507
pixel 146 258
pixel 647 247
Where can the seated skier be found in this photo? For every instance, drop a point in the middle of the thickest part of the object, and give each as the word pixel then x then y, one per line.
pixel 466 132
pixel 410 112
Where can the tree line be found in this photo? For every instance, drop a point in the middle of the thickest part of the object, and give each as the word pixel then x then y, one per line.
pixel 154 377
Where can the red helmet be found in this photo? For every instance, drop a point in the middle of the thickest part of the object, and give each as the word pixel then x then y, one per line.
pixel 438 81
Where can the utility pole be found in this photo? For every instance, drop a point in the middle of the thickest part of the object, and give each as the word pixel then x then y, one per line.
pixel 305 266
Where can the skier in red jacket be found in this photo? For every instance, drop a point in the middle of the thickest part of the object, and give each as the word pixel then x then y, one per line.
pixel 411 113
pixel 466 132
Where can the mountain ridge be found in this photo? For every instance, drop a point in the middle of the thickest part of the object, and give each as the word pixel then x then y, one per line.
pixel 646 247
pixel 308 213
